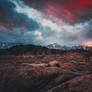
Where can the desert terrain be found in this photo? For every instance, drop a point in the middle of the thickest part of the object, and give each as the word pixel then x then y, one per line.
pixel 31 69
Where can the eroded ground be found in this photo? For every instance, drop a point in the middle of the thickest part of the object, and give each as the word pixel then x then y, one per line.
pixel 74 74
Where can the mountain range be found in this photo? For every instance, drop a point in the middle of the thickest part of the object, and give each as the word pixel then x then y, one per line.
pixel 6 45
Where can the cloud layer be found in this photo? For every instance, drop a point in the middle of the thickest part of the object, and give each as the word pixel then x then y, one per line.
pixel 31 25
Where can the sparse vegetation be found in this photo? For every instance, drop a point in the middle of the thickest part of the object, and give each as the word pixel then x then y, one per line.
pixel 23 70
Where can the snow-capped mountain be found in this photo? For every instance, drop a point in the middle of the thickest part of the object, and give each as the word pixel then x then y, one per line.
pixel 57 46
pixel 54 46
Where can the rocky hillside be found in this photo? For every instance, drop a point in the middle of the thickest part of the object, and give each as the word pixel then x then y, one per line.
pixel 29 72
pixel 29 49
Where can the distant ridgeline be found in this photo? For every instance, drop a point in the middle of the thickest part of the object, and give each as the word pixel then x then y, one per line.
pixel 57 46
pixel 6 45
pixel 21 49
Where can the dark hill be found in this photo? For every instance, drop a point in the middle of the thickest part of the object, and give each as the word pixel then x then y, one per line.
pixel 29 49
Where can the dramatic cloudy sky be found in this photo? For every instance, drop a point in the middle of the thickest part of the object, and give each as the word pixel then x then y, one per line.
pixel 43 22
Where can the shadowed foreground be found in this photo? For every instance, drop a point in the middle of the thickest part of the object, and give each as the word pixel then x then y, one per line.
pixel 31 73
pixel 27 78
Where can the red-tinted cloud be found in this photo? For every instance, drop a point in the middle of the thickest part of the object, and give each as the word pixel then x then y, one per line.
pixel 2 27
pixel 70 10
pixel 21 30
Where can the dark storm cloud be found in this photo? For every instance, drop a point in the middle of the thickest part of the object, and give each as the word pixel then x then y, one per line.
pixel 70 10
pixel 5 10
pixel 11 19
pixel 88 32
pixel 37 4
pixel 33 17
pixel 12 23
pixel 9 16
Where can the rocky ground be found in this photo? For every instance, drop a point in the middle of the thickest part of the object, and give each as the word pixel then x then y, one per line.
pixel 31 73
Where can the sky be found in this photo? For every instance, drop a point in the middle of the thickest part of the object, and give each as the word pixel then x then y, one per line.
pixel 44 22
